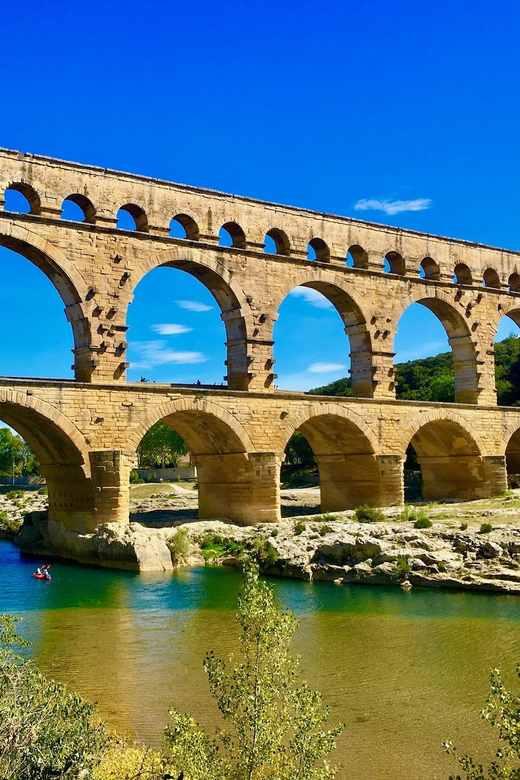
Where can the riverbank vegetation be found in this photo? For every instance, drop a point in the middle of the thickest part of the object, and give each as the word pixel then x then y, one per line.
pixel 275 726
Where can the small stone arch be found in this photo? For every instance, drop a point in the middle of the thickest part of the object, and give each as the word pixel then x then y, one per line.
pixel 236 234
pixel 344 449
pixel 431 269
pixel 490 278
pixel 462 274
pixel 138 214
pixel 281 241
pixel 359 256
pixel 86 206
pixel 450 456
pixel 396 263
pixel 338 290
pixel 459 337
pixel 321 250
pixel 514 282
pixel 190 227
pixel 29 193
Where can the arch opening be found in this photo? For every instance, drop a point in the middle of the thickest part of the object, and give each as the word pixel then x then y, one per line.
pixel 491 279
pixel 394 264
pixel 132 217
pixel 462 274
pixel 276 243
pixel 346 466
pixel 21 198
pixel 185 343
pixel 309 347
pixel 429 269
pixel 450 463
pixel 507 359
pixel 78 208
pixel 318 250
pixel 184 226
pixel 466 379
pixel 513 460
pixel 514 282
pixel 232 234
pixel 219 461
pixel 357 257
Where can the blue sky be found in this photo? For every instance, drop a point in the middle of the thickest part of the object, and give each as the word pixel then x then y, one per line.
pixel 399 112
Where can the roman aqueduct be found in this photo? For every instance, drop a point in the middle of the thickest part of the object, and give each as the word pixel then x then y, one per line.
pixel 85 431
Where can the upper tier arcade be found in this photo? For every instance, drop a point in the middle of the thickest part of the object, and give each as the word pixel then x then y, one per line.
pixel 95 267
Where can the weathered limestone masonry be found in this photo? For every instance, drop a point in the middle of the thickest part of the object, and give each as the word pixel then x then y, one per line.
pixel 85 432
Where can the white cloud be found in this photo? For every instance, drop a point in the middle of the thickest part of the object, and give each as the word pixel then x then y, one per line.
pixel 392 206
pixel 326 368
pixel 313 297
pixel 170 329
pixel 194 306
pixel 156 353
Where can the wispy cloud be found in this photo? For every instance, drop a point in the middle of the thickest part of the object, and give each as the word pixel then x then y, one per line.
pixel 170 329
pixel 392 206
pixel 156 353
pixel 326 368
pixel 194 306
pixel 313 297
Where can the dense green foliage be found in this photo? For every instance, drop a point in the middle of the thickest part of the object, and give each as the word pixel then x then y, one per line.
pixel 273 725
pixel 432 378
pixel 13 449
pixel 298 451
pixel 160 447
pixel 45 731
pixel 502 711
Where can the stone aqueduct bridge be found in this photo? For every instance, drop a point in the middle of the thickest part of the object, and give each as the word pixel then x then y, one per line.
pixel 85 431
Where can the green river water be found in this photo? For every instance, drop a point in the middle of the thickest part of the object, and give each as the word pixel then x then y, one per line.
pixel 403 670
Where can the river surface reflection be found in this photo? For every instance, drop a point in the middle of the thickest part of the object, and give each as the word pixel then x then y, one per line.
pixel 403 670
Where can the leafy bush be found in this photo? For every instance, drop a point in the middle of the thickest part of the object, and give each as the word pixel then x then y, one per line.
pixel 9 524
pixel 299 527
pixel 325 529
pixel 45 731
pixel 463 526
pixel 135 479
pixel 12 495
pixel 485 528
pixel 263 553
pixel 124 760
pixel 179 546
pixel 274 532
pixel 423 522
pixel 369 514
pixel 328 518
pixel 43 491
pixel 273 725
pixel 403 567
pixel 441 566
pixel 216 546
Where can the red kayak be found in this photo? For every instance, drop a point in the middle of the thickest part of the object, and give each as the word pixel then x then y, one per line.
pixel 43 575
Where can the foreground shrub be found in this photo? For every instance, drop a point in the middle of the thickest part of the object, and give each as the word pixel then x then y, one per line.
pixel 130 761
pixel 463 526
pixel 502 711
pixel 179 546
pixel 299 527
pixel 273 726
pixel 43 491
pixel 402 567
pixel 485 528
pixel 325 529
pixel 9 524
pixel 423 522
pixel 369 514
pixel 45 731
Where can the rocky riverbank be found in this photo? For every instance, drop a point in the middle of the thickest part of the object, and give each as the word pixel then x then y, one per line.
pixel 331 548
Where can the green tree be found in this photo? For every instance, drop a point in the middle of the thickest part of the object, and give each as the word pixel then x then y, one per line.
pixel 160 447
pixel 298 451
pixel 14 449
pixel 274 726
pixel 45 731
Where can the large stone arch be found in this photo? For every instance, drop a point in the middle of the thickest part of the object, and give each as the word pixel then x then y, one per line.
pixel 63 274
pixel 233 481
pixel 345 450
pixel 235 310
pixel 464 351
pixel 63 455
pixel 340 291
pixel 452 460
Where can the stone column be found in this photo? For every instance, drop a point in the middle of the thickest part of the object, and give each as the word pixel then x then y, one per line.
pixel 496 473
pixel 454 476
pixel 71 498
pixel 241 487
pixel 111 485
pixel 391 472
pixel 346 481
